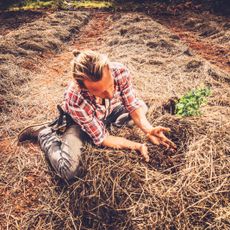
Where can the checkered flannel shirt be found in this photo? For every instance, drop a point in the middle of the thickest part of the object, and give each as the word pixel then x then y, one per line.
pixel 89 114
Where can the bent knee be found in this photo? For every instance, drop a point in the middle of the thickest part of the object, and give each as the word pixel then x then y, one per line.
pixel 68 172
pixel 65 166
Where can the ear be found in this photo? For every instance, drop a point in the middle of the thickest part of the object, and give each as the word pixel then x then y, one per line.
pixel 76 52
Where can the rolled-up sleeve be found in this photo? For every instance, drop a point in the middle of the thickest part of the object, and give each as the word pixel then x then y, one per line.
pixel 131 102
pixel 82 113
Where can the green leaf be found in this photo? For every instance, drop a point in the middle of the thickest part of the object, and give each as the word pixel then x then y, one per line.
pixel 190 103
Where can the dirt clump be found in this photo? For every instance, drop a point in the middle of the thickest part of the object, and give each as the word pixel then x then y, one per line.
pixel 170 106
pixel 193 65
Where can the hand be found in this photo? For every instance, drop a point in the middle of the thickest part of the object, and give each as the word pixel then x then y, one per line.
pixel 144 152
pixel 157 137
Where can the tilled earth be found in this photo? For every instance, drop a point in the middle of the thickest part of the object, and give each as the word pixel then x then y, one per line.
pixel 117 190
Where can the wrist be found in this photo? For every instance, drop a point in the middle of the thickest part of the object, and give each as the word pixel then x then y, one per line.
pixel 148 130
pixel 147 127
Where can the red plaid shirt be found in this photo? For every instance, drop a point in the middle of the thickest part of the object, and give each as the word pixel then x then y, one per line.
pixel 89 114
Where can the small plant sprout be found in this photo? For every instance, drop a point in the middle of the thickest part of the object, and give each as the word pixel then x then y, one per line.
pixel 190 103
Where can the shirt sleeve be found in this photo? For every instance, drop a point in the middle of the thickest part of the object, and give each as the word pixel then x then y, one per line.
pixel 131 102
pixel 82 113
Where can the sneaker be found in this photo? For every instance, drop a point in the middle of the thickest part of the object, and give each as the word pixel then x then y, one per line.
pixel 30 133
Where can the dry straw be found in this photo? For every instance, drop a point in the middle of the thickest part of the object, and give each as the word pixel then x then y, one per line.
pixel 116 189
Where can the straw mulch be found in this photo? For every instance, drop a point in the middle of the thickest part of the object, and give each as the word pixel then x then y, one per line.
pixel 116 189
pixel 21 50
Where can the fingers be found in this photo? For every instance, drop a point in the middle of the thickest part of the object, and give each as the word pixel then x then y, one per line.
pixel 162 139
pixel 144 152
pixel 164 129
pixel 168 144
pixel 155 140
pixel 172 145
pixel 165 144
pixel 167 141
pixel 160 129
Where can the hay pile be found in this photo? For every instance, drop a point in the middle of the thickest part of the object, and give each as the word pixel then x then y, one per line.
pixel 20 49
pixel 208 26
pixel 11 20
pixel 206 33
pixel 186 190
pixel 116 189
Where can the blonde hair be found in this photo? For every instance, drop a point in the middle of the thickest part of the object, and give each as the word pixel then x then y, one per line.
pixel 87 65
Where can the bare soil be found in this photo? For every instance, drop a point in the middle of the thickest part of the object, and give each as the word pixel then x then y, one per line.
pixel 117 190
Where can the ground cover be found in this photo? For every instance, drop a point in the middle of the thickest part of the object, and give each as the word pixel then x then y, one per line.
pixel 116 189
pixel 55 4
pixel 22 49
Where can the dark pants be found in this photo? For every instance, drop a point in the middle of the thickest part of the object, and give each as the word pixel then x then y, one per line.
pixel 64 151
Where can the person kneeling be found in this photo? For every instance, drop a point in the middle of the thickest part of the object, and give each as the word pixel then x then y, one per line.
pixel 101 93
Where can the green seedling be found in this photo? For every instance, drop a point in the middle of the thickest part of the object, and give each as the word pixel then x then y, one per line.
pixel 190 103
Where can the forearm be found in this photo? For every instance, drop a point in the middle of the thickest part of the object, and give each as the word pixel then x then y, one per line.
pixel 141 121
pixel 120 143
